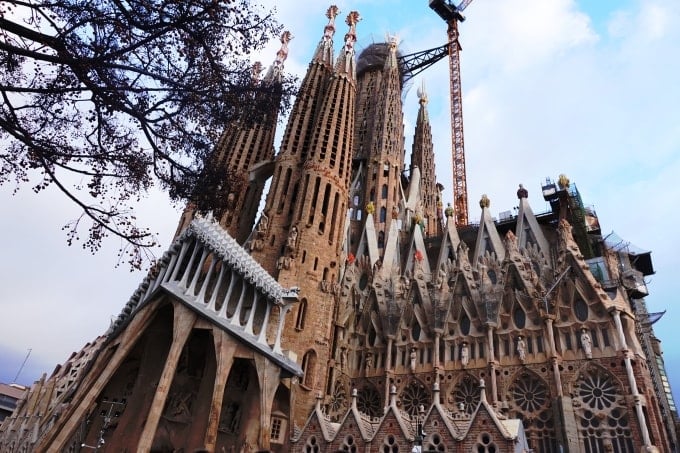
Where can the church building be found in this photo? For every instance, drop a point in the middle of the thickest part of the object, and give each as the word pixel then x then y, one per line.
pixel 352 314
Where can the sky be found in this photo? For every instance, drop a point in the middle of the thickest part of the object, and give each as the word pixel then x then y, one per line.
pixel 585 88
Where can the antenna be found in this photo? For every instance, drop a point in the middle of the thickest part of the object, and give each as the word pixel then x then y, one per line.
pixel 16 378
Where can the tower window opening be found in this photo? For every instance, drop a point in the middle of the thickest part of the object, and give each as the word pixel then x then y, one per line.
pixel 301 313
pixel 316 263
pixel 383 192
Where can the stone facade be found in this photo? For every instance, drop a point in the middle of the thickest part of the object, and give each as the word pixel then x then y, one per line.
pixel 356 316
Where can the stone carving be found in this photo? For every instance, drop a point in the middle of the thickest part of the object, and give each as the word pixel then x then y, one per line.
pixel 586 343
pixel 521 349
pixel 413 355
pixel 464 354
pixel 291 242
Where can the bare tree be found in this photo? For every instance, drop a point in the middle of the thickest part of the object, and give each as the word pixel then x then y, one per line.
pixel 123 94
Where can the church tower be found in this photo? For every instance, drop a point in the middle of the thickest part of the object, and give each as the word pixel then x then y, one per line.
pixel 244 153
pixel 379 139
pixel 422 156
pixel 300 234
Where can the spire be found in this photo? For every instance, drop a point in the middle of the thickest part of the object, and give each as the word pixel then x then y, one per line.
pixel 276 70
pixel 346 64
pixel 324 51
pixel 422 157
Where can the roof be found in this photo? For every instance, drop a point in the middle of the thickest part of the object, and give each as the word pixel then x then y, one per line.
pixel 12 390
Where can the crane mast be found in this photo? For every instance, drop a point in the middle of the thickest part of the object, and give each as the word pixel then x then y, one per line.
pixel 452 15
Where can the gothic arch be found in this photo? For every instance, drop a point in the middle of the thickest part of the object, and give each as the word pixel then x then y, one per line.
pixel 528 397
pixel 239 421
pixel 603 419
pixel 309 368
pixel 465 394
pixel 413 395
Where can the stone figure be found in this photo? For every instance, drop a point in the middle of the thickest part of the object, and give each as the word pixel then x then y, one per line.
pixel 586 343
pixel 413 357
pixel 521 348
pixel 292 238
pixel 263 224
pixel 369 361
pixel 464 354
pixel 343 357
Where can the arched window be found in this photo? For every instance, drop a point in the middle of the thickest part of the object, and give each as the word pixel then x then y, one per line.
pixel 383 193
pixel 308 368
pixel 381 239
pixel 383 214
pixel 302 311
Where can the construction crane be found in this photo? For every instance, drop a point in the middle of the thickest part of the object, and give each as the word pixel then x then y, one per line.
pixel 452 15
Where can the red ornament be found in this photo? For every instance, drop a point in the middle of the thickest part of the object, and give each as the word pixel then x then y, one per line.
pixel 350 258
pixel 418 255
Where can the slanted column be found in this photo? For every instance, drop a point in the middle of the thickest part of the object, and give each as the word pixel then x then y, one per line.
pixel 236 317
pixel 213 299
pixel 283 310
pixel 262 338
pixel 183 322
pixel 437 337
pixel 192 287
pixel 185 276
pixel 176 261
pixel 204 286
pixel 616 314
pixel 224 353
pixel 251 315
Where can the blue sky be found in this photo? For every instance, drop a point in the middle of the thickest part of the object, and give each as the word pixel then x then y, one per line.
pixel 587 88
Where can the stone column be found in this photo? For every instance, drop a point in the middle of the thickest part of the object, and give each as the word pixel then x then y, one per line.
pixel 184 321
pixel 225 348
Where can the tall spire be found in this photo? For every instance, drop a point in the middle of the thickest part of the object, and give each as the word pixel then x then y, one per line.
pixel 346 64
pixel 275 72
pixel 422 156
pixel 324 51
pixel 378 139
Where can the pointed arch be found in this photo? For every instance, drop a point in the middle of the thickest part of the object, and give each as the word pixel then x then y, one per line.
pixel 603 420
pixel 529 399
pixel 413 395
pixel 465 393
pixel 309 368
pixel 301 314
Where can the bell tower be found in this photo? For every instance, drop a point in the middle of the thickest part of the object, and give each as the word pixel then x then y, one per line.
pixel 300 234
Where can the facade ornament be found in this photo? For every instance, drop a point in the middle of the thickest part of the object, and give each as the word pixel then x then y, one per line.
pixel 343 357
pixel 521 348
pixel 449 210
pixel 369 361
pixel 395 212
pixel 370 208
pixel 291 242
pixel 413 355
pixel 563 181
pixel 464 354
pixel 522 192
pixel 485 202
pixel 586 343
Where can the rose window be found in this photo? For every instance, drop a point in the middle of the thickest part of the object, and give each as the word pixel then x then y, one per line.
pixel 529 393
pixel 369 401
pixel 603 420
pixel 466 393
pixel 339 398
pixel 414 396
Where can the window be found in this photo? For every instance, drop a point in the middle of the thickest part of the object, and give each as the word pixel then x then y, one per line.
pixel 302 311
pixel 278 429
pixel 308 366
pixel 383 192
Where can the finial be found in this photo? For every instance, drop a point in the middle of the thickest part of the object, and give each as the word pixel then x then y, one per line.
pixel 563 181
pixel 449 210
pixel 522 192
pixel 422 93
pixel 370 207
pixel 352 20
pixel 484 202
pixel 329 29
